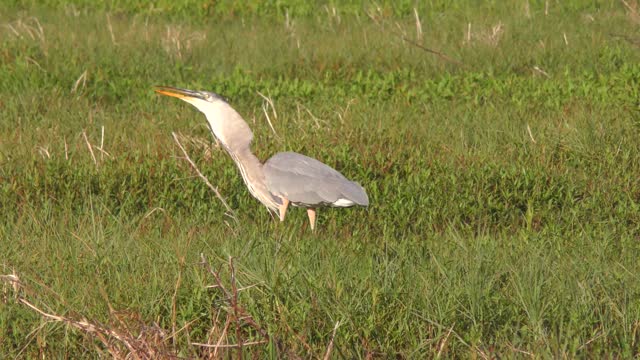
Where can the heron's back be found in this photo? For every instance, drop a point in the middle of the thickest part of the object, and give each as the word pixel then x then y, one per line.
pixel 307 182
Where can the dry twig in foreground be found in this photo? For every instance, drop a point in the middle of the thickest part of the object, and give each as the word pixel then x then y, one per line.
pixel 441 55
pixel 126 336
pixel 146 342
pixel 230 212
pixel 236 314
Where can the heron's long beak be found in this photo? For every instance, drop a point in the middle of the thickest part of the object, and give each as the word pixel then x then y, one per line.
pixel 183 94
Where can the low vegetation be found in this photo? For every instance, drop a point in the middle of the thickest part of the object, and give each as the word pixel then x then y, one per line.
pixel 498 144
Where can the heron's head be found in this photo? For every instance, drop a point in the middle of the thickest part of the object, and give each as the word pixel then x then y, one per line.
pixel 205 101
pixel 225 123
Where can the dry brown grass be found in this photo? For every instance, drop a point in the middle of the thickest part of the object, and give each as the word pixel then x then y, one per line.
pixel 632 10
pixel 127 336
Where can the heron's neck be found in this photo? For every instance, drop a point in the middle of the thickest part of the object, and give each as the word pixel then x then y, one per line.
pixel 251 170
pixel 235 135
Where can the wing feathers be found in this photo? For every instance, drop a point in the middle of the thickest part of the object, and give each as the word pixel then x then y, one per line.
pixel 307 181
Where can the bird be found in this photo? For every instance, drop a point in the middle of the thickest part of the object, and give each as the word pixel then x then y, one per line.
pixel 287 178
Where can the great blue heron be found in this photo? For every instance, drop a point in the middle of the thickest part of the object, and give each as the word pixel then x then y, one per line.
pixel 287 177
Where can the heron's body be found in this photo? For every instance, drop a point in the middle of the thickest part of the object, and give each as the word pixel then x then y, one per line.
pixel 309 183
pixel 287 177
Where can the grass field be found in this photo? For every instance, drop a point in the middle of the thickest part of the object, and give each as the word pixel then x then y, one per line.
pixel 504 179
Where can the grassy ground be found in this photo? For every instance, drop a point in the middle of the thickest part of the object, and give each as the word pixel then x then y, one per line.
pixel 504 181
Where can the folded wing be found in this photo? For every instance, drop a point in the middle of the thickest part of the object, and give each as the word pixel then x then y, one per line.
pixel 307 182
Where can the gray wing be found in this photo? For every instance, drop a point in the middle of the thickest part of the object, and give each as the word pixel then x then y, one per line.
pixel 308 182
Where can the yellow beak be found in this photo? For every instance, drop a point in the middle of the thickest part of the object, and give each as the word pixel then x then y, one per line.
pixel 177 92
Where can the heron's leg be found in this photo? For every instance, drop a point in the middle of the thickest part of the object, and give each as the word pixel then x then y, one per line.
pixel 311 212
pixel 282 210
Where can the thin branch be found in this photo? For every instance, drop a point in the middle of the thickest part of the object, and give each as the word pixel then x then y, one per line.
pixel 102 152
pixel 327 354
pixel 601 334
pixel 83 325
pixel 222 337
pixel 431 51
pixel 411 42
pixel 634 42
pixel 84 134
pixel 540 71
pixel 273 107
pixel 444 341
pixel 216 346
pixel 234 305
pixel 66 148
pixel 174 298
pixel 82 79
pixel 84 243
pixel 266 114
pixel 530 134
pixel 153 211
pixel 113 37
pixel 418 25
pixel 204 178
pixel 242 314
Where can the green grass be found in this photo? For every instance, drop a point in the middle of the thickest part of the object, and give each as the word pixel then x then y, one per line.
pixel 505 192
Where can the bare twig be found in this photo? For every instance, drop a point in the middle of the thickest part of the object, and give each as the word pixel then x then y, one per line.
pixel 546 7
pixel 273 111
pixel 153 211
pixel 601 334
pixel 13 30
pixel 343 113
pixel 496 33
pixel 237 346
pixel 83 325
pixel 315 119
pixel 31 60
pixel 327 354
pixel 222 336
pixel 102 152
pixel 540 71
pixel 84 134
pixel 239 313
pixel 113 37
pixel 532 355
pixel 480 352
pixel 443 343
pixel 40 30
pixel 418 25
pixel 174 298
pixel 141 341
pixel 530 134
pixel 66 148
pixel 634 42
pixel 266 115
pixel 455 334
pixel 288 23
pixel 431 51
pixel 84 243
pixel 14 280
pixel 44 151
pixel 234 305
pixel 300 338
pixel 204 178
pixel 82 79
pixel 632 11
pixel 409 41
pixel 270 102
